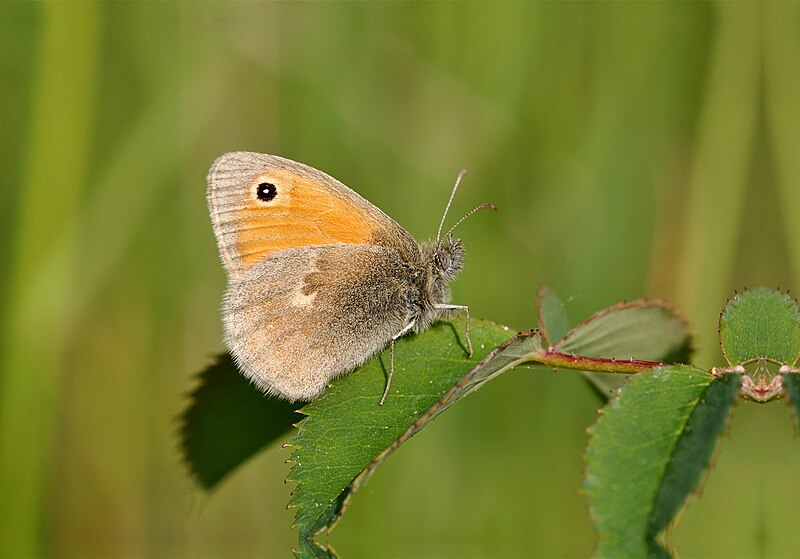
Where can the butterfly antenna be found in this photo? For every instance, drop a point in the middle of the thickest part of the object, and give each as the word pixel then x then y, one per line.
pixel 469 213
pixel 450 201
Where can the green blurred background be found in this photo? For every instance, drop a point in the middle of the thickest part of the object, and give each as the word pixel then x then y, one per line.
pixel 633 149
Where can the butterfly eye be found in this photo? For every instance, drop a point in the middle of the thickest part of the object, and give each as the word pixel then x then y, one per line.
pixel 443 258
pixel 266 191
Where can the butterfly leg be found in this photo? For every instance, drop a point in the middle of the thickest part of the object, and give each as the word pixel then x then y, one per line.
pixel 406 329
pixel 466 310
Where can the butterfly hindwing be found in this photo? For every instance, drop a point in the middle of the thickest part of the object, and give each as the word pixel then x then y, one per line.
pixel 298 319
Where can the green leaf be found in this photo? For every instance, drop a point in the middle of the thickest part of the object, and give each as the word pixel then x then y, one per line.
pixel 227 421
pixel 760 323
pixel 647 453
pixel 691 455
pixel 642 330
pixel 645 330
pixel 347 434
pixel 553 319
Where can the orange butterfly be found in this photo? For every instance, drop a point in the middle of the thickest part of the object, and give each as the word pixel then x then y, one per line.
pixel 319 279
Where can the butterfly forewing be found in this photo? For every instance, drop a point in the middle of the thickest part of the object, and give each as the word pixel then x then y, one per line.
pixel 262 204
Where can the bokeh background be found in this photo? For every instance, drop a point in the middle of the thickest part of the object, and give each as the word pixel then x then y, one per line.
pixel 633 150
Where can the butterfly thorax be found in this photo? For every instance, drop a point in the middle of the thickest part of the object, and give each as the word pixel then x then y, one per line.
pixel 441 261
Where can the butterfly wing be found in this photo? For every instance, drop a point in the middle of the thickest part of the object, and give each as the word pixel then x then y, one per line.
pixel 319 279
pixel 306 315
pixel 261 204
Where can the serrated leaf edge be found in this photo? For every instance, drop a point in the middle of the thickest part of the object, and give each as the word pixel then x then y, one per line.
pixel 725 308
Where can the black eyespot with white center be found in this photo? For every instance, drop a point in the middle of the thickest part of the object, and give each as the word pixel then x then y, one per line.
pixel 266 191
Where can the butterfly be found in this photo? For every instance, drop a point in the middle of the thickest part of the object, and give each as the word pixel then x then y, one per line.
pixel 319 279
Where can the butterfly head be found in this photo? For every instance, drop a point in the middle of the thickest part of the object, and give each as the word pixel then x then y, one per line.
pixel 449 258
pixel 449 254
